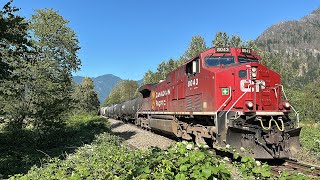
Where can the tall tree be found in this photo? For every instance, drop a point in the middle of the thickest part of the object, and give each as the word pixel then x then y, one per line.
pixel 55 39
pixel 197 45
pixel 86 97
pixel 58 46
pixel 16 53
pixel 221 40
pixel 36 78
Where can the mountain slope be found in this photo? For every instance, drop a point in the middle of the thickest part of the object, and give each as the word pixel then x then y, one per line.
pixel 297 34
pixel 296 44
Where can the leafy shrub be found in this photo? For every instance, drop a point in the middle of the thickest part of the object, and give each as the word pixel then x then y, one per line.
pixel 106 158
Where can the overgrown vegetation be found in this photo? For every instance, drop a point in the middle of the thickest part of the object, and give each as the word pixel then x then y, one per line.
pixel 37 97
pixel 310 142
pixel 22 149
pixel 108 158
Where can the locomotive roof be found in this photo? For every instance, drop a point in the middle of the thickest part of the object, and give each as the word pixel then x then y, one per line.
pixel 213 50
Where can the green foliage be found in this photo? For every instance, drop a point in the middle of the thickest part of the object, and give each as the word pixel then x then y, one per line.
pixel 306 101
pixel 85 97
pixel 292 176
pixel 252 169
pixel 125 90
pixel 55 39
pixel 15 58
pixel 36 79
pixel 310 139
pixel 21 149
pixel 106 158
pixel 162 71
pixel 196 46
pixel 221 40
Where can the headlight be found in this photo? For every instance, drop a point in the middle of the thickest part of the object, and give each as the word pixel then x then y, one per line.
pixel 254 69
pixel 249 104
pixel 254 75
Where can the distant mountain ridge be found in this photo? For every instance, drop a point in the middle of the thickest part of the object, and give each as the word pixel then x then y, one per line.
pixel 103 84
pixel 296 34
pixel 296 44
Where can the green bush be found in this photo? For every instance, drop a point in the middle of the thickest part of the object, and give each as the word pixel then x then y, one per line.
pixel 106 158
pixel 22 149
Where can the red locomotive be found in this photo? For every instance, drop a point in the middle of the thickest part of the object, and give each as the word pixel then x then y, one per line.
pixel 222 97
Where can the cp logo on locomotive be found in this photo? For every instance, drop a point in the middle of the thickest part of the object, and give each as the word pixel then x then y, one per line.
pixel 246 85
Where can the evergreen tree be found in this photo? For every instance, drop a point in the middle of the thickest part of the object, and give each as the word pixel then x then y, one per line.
pixel 197 45
pixel 16 54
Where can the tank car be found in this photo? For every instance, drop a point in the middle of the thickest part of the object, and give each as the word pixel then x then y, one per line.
pixel 223 97
pixel 129 109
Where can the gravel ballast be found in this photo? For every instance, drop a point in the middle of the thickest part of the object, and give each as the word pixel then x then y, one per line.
pixel 139 138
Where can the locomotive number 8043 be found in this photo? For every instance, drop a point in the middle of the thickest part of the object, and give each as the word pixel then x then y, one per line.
pixel 222 97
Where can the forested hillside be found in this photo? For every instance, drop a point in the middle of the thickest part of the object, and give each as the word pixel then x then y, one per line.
pixel 296 45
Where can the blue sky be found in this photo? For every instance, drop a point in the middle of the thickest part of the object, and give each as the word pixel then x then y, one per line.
pixel 126 37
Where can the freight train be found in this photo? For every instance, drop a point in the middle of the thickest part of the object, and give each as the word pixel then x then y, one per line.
pixel 224 97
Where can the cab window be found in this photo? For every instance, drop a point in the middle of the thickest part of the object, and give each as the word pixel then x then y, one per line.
pixel 217 61
pixel 193 67
pixel 246 60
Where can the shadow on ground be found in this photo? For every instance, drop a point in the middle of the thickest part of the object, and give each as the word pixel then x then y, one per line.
pixel 125 135
pixel 22 149
pixel 115 125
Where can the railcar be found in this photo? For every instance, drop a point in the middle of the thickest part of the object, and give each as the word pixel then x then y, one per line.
pixel 222 97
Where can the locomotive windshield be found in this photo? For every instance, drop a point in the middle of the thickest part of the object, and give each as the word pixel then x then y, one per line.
pixel 218 60
pixel 246 60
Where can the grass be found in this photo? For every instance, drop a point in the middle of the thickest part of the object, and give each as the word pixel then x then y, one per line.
pixel 310 142
pixel 20 150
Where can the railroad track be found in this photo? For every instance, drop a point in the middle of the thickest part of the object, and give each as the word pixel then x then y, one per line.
pixel 294 166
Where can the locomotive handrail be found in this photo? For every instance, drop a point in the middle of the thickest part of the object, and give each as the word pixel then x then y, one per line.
pixel 296 112
pixel 224 104
pixel 227 121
